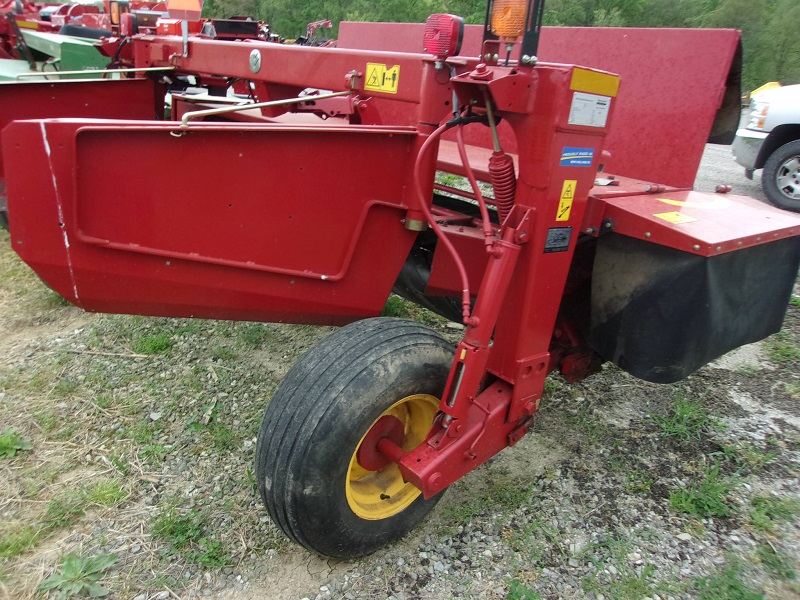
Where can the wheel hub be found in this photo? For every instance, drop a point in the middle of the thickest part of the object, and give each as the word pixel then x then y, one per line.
pixel 788 178
pixel 368 454
pixel 375 487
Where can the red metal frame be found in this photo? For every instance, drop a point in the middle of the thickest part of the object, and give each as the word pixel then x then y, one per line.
pixel 279 221
pixel 673 81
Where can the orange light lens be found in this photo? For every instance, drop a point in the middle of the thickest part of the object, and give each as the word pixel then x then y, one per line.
pixel 508 18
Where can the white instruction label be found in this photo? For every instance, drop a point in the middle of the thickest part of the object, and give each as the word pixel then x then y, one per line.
pixel 590 110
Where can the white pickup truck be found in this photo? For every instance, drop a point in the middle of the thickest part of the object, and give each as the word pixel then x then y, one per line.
pixel 771 141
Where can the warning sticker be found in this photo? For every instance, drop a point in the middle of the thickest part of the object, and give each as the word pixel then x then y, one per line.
pixel 590 110
pixel 577 157
pixel 381 78
pixel 567 196
pixel 558 239
pixel 675 217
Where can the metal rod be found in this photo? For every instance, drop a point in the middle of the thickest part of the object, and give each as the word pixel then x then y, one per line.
pixel 93 72
pixel 230 109
pixel 492 124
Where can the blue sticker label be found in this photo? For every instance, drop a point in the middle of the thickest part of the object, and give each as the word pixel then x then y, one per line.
pixel 577 157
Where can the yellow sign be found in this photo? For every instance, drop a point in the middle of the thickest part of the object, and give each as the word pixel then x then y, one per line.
pixel 594 82
pixel 381 78
pixel 567 196
pixel 675 217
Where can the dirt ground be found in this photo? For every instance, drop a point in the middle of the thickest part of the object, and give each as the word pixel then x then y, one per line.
pixel 142 435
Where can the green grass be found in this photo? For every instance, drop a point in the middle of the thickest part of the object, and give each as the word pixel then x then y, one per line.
pixel 190 327
pixel 12 442
pixel 776 561
pixel 405 309
pixel 65 509
pixel 222 437
pixel 223 353
pixel 62 511
pixel 48 420
pixel 120 462
pixel 18 539
pixel 767 512
pixel 159 343
pixel 638 481
pixel 106 493
pixel 795 301
pixel 254 335
pixel 79 576
pixel 627 584
pixel 451 179
pixel 780 350
pixel 688 420
pixel 65 387
pixel 726 585
pixel 587 422
pixel 143 432
pixel 706 497
pixel 152 452
pixel 186 534
pixel 397 307
pixel 501 493
pixel 551 385
pixel 104 401
pixel 746 456
pixel 518 591
pixel 526 540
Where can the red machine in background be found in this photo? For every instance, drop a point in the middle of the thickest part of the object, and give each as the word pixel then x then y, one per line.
pixel 562 268
pixel 84 20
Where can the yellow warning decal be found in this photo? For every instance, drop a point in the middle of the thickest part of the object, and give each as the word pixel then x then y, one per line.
pixel 567 196
pixel 381 78
pixel 675 217
pixel 27 25
pixel 594 82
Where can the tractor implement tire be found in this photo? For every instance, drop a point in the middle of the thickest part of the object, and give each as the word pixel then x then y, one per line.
pixel 380 376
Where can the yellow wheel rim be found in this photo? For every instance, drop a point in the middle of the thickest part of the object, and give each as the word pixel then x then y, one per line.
pixel 381 494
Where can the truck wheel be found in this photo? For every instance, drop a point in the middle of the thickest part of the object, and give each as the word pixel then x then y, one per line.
pixel 781 177
pixel 318 469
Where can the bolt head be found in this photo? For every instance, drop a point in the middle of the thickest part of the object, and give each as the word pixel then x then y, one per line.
pixel 255 61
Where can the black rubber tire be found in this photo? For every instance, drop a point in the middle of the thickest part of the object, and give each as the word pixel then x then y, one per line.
pixel 317 417
pixel 776 162
pixel 4 219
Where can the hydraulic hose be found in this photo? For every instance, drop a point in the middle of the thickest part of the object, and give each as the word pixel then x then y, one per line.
pixel 488 234
pixel 466 306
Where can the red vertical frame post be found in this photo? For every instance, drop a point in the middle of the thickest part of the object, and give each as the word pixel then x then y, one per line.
pixel 559 115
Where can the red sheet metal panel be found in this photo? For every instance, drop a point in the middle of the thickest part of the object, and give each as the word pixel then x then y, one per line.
pixel 673 81
pixel 100 99
pixel 695 222
pixel 304 238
